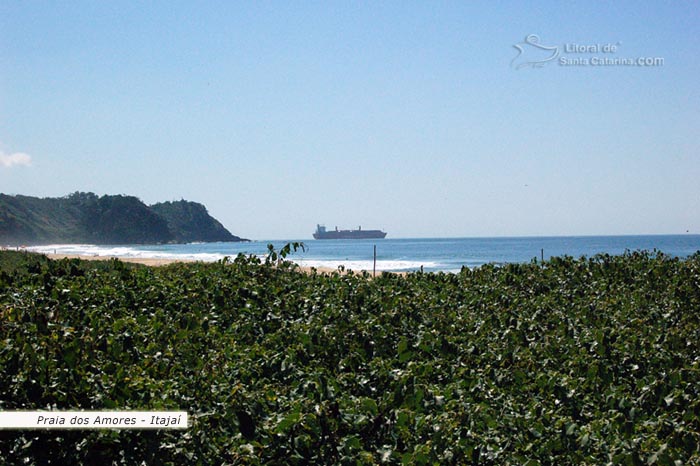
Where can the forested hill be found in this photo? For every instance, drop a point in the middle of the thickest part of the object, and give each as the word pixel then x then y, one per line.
pixel 190 221
pixel 88 218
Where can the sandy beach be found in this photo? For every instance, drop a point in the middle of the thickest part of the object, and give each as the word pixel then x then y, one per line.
pixel 134 260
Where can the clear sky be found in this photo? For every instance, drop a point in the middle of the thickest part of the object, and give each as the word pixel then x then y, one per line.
pixel 419 118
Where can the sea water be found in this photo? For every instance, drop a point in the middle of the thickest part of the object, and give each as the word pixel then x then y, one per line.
pixel 430 254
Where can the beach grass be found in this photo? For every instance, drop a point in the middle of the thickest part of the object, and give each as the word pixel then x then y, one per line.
pixel 571 361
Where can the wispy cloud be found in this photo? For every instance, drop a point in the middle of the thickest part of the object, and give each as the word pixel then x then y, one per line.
pixel 16 158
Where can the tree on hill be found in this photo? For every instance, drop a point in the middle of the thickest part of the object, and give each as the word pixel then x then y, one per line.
pixel 84 217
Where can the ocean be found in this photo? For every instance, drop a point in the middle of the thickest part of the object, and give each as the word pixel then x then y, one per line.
pixel 432 254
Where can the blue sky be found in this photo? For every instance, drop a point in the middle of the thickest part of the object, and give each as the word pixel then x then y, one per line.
pixel 405 116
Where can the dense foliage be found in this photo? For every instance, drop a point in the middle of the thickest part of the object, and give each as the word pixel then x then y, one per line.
pixel 574 361
pixel 88 218
pixel 189 221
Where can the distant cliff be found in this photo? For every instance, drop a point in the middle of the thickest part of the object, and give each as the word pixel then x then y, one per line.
pixel 88 218
pixel 189 221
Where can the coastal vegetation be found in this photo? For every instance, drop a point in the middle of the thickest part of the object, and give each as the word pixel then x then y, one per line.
pixel 569 361
pixel 88 218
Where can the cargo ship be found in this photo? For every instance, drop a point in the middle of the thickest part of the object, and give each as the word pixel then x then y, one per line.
pixel 322 233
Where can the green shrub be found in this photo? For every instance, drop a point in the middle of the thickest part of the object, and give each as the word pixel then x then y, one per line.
pixel 574 361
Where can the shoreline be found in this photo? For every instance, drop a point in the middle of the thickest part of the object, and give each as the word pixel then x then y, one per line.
pixel 155 262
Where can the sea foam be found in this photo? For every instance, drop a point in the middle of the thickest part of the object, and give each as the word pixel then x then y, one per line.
pixel 382 265
pixel 92 250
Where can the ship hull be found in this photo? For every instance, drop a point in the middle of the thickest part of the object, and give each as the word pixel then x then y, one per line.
pixel 350 234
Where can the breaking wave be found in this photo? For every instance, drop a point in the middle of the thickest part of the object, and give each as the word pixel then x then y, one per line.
pixel 92 250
